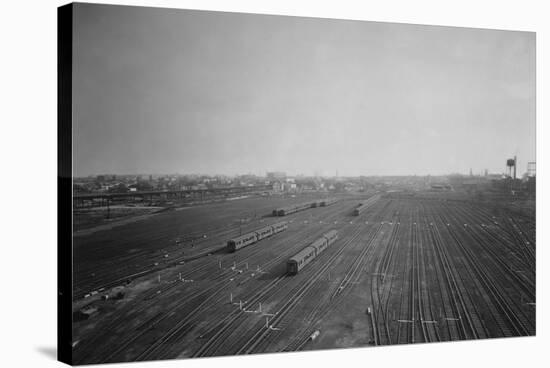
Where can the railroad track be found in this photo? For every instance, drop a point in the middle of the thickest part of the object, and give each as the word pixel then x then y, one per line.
pixel 491 245
pixel 306 271
pixel 384 268
pixel 511 243
pixel 327 303
pixel 406 310
pixel 108 274
pixel 418 291
pixel 157 349
pixel 252 344
pixel 252 298
pixel 481 329
pixel 163 289
pixel 430 318
pixel 516 320
pixel 312 274
pixel 349 281
pixel 441 267
pixel 458 306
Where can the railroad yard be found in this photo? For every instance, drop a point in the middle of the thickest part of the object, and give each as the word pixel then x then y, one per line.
pixel 404 268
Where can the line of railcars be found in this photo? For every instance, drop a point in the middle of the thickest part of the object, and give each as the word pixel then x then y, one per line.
pixel 327 202
pixel 283 211
pixel 255 236
pixel 308 254
pixel 366 204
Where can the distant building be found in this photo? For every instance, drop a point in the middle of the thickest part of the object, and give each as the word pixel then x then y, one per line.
pixel 277 186
pixel 289 187
pixel 440 187
pixel 531 169
pixel 276 175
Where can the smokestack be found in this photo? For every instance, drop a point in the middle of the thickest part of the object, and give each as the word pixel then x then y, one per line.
pixel 515 165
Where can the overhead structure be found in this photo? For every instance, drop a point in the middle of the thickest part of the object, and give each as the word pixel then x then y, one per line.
pixel 511 165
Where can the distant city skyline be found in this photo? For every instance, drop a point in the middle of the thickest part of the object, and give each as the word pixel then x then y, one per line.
pixel 179 91
pixel 265 174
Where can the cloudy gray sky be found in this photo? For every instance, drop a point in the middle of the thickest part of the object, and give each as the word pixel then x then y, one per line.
pixel 177 91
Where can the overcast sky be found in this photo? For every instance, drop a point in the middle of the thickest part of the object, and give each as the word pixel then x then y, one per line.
pixel 176 91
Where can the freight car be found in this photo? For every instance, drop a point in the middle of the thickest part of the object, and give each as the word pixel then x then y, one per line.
pixel 255 236
pixel 306 255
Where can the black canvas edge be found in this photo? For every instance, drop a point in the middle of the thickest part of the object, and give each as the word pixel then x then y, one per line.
pixel 64 182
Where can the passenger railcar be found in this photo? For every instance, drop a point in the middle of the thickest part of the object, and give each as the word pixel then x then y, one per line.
pixel 291 209
pixel 331 236
pixel 306 255
pixel 295 208
pixel 280 226
pixel 364 205
pixel 320 244
pixel 255 236
pixel 300 260
pixel 359 209
pixel 264 232
pixel 241 241
pixel 327 202
pixel 286 211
